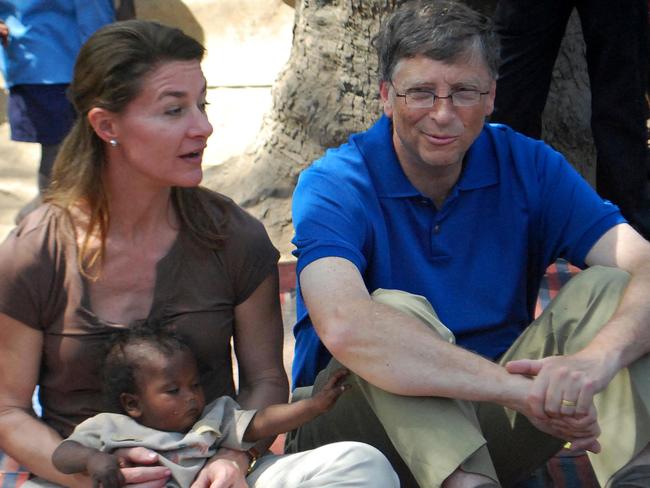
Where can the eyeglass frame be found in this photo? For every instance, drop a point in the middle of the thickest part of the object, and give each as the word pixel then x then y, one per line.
pixel 435 96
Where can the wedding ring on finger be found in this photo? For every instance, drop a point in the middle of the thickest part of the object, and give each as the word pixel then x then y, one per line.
pixel 568 403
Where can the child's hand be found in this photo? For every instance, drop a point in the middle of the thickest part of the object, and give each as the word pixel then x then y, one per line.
pixel 104 469
pixel 325 399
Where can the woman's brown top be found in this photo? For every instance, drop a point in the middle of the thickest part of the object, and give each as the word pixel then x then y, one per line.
pixel 196 290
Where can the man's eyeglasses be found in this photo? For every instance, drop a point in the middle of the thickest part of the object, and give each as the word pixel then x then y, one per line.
pixel 421 98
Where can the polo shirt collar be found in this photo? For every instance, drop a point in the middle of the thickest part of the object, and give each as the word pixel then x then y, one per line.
pixel 376 145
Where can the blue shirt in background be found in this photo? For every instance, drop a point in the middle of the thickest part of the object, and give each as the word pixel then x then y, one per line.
pixel 479 260
pixel 46 35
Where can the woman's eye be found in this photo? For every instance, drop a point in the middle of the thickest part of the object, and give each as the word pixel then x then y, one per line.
pixel 203 106
pixel 174 111
pixel 173 391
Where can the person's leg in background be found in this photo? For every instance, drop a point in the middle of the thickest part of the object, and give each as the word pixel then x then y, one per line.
pixel 42 114
pixel 617 61
pixel 530 32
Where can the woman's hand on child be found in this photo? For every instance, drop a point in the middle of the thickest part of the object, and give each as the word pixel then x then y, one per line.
pixel 104 470
pixel 140 468
pixel 325 399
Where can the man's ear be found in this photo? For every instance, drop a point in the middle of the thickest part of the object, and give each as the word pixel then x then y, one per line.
pixel 384 93
pixel 103 123
pixel 489 106
pixel 131 405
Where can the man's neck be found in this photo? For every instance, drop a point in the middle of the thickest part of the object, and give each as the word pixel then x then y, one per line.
pixel 433 182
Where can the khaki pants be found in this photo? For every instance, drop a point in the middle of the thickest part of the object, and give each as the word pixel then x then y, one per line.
pixel 427 438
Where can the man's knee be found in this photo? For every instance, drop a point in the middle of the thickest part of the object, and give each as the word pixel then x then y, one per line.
pixel 602 277
pixel 415 306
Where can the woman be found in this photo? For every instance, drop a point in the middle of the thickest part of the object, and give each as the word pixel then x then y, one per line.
pixel 126 235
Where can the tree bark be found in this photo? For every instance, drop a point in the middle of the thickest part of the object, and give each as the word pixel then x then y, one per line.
pixel 329 90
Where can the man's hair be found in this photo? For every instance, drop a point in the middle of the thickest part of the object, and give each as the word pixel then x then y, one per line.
pixel 128 351
pixel 442 30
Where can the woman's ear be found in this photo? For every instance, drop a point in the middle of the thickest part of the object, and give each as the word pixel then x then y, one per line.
pixel 131 405
pixel 103 123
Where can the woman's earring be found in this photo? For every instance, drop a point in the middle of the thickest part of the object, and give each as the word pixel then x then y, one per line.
pixel 113 142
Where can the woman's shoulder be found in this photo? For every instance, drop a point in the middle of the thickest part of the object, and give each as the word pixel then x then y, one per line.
pixel 47 225
pixel 240 224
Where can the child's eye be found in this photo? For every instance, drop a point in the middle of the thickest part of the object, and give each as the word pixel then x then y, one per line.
pixel 173 391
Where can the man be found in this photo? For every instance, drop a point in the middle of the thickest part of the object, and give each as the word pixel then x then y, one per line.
pixel 438 214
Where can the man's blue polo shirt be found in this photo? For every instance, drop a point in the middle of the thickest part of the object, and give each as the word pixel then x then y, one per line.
pixel 479 260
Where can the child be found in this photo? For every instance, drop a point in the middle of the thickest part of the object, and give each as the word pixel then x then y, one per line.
pixel 152 377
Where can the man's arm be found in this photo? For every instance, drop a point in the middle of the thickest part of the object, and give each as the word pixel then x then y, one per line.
pixel 400 354
pixel 624 339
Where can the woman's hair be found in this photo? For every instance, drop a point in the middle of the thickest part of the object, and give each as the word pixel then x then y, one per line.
pixel 127 352
pixel 109 73
pixel 442 30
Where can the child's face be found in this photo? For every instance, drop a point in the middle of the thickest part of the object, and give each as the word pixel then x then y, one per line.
pixel 170 396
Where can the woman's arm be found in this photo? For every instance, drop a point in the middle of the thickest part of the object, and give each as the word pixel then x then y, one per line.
pixel 22 435
pixel 258 340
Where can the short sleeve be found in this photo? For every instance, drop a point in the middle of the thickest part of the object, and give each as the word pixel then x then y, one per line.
pixel 29 259
pixel 573 216
pixel 90 432
pixel 225 417
pixel 248 253
pixel 329 219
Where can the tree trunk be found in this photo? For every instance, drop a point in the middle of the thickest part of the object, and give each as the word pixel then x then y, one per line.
pixel 329 90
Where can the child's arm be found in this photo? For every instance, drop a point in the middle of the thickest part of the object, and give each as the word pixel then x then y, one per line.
pixel 277 419
pixel 104 469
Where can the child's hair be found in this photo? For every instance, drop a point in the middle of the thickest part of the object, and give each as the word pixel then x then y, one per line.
pixel 127 352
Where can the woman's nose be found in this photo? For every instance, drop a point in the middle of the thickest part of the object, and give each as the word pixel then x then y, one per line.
pixel 201 126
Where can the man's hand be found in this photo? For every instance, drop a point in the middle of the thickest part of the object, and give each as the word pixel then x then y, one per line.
pixel 560 399
pixel 324 400
pixel 564 386
pixel 140 468
pixel 104 470
pixel 582 432
pixel 4 34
